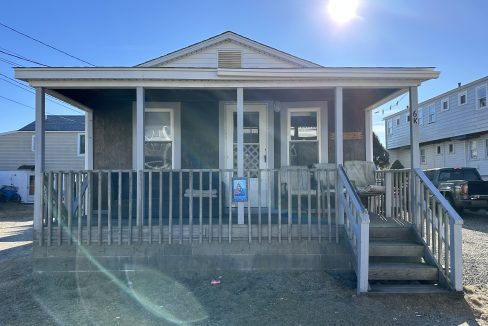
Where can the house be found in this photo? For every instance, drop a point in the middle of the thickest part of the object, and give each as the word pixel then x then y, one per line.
pixel 453 130
pixel 65 149
pixel 228 154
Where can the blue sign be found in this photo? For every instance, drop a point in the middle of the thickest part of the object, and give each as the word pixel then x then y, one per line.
pixel 239 190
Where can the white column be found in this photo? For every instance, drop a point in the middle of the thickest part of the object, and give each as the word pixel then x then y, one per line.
pixel 339 132
pixel 240 147
pixel 414 148
pixel 89 140
pixel 39 156
pixel 368 134
pixel 140 152
pixel 414 129
pixel 339 153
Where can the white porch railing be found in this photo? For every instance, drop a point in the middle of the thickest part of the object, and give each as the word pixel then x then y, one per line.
pixel 156 206
pixel 440 228
pixel 356 224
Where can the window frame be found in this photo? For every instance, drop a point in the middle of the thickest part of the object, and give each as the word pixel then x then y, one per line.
pixel 449 148
pixel 445 100
pixel 431 113
pixel 478 107
pixel 389 124
pixel 78 145
pixel 471 156
pixel 288 127
pixel 173 132
pixel 420 116
pixel 460 94
pixel 33 143
pixel 438 150
pixel 422 156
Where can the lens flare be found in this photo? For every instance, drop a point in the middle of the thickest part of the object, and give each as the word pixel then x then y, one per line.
pixel 343 11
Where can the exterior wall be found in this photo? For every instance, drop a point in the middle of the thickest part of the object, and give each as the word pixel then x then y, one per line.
pixel 457 121
pixel 208 58
pixel 61 151
pixel 459 158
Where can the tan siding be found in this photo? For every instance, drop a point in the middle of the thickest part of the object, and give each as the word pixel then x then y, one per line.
pixel 61 151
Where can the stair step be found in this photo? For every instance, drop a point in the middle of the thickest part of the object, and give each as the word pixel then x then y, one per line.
pixel 407 288
pixel 399 233
pixel 402 272
pixel 393 248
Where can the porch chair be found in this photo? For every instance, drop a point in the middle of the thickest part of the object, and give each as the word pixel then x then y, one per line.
pixel 327 182
pixel 296 180
pixel 362 176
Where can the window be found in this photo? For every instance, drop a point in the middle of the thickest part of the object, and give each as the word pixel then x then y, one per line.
pixel 473 149
pixel 432 113
pixel 33 143
pixel 390 127
pixel 462 98
pixel 158 138
pixel 398 121
pixel 421 117
pixel 486 148
pixel 439 150
pixel 407 118
pixel 451 148
pixel 81 144
pixel 303 136
pixel 481 97
pixel 422 155
pixel 445 104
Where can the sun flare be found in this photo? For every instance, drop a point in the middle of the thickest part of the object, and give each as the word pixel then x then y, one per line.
pixel 343 11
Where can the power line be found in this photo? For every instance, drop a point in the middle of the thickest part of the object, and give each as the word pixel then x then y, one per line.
pixel 45 44
pixel 25 59
pixel 12 63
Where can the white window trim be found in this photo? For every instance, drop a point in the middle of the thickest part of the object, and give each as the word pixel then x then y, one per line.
pixel 78 143
pixel 172 135
pixel 477 151
pixel 445 100
pixel 288 136
pixel 438 150
pixel 33 143
pixel 465 93
pixel 422 156
pixel 431 113
pixel 453 149
pixel 478 99
pixel 420 116
pixel 406 118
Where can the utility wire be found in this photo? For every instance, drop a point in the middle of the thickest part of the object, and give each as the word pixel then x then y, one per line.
pixel 45 44
pixel 25 59
pixel 12 63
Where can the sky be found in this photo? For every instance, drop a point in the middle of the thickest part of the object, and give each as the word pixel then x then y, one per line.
pixel 446 34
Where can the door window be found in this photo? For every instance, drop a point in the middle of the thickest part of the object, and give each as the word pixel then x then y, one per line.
pixel 303 137
pixel 158 139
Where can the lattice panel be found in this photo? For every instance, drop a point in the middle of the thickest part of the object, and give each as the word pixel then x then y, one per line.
pixel 251 158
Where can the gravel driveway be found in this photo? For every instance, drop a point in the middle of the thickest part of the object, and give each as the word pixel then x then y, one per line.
pixel 284 298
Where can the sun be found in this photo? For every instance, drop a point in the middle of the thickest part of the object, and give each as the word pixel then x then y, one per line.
pixel 343 11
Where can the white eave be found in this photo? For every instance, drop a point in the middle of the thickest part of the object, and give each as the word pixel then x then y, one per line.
pixel 200 77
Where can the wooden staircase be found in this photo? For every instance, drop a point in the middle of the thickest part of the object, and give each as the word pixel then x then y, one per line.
pixel 397 262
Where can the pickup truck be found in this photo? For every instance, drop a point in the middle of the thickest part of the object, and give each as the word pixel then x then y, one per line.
pixel 462 187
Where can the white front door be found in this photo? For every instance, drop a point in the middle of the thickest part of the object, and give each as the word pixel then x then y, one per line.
pixel 255 147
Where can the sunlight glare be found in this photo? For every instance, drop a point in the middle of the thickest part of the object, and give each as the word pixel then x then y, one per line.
pixel 343 11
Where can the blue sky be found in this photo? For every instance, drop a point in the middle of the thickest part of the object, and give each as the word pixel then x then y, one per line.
pixel 449 35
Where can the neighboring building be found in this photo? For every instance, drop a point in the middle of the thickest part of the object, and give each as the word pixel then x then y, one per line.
pixel 203 151
pixel 453 130
pixel 65 150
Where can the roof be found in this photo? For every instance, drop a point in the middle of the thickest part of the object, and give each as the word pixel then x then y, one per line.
pixel 234 37
pixel 60 123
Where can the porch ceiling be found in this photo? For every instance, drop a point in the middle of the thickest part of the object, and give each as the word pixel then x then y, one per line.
pixel 97 99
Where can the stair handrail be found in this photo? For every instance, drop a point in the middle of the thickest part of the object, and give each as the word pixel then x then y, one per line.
pixel 453 260
pixel 356 224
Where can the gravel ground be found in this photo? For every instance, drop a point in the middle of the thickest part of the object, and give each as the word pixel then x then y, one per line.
pixel 279 298
pixel 475 259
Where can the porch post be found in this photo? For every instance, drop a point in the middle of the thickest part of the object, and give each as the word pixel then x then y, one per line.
pixel 368 134
pixel 414 147
pixel 39 157
pixel 139 152
pixel 89 140
pixel 240 147
pixel 339 153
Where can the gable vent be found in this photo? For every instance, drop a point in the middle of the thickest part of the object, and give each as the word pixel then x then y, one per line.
pixel 229 59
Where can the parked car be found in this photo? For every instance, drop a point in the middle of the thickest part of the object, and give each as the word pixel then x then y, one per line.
pixel 462 187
